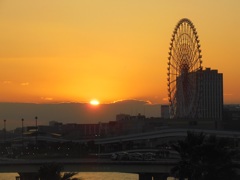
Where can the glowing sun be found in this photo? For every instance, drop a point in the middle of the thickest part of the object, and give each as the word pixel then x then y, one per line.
pixel 94 102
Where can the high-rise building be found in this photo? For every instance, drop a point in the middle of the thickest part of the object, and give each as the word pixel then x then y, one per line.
pixel 199 95
pixel 211 100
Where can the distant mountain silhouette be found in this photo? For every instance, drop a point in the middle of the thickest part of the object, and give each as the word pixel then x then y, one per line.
pixel 72 112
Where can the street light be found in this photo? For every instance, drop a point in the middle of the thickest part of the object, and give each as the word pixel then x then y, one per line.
pixel 36 118
pixel 22 126
pixel 4 121
pixel 22 133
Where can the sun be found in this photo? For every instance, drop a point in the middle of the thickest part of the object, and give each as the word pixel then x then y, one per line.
pixel 94 102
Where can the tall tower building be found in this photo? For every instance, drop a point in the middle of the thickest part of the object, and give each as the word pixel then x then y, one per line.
pixel 211 100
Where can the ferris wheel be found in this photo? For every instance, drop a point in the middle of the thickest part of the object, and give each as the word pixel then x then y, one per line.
pixel 184 71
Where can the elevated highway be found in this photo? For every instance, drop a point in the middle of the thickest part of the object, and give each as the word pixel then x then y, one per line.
pixel 167 133
pixel 160 134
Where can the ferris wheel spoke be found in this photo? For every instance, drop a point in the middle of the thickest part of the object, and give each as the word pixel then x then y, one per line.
pixel 177 52
pixel 172 65
pixel 177 57
pixel 197 60
pixel 173 81
pixel 176 63
pixel 172 93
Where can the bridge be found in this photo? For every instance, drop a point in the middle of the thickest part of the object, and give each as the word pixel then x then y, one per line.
pixel 166 133
pixel 28 169
pixel 146 169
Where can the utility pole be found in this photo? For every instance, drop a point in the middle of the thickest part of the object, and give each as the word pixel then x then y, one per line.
pixel 22 134
pixel 36 118
pixel 4 121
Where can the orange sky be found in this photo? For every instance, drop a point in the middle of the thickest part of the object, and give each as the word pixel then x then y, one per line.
pixel 74 51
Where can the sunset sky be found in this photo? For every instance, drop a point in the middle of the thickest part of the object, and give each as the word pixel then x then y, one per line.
pixel 55 51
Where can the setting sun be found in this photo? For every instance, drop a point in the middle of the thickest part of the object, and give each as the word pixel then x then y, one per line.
pixel 94 102
pixel 110 50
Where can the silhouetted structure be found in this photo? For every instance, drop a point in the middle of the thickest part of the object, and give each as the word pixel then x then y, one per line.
pixel 193 93
pixel 211 102
pixel 231 117
pixel 184 63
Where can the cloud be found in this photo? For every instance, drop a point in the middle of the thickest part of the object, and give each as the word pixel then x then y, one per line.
pixel 24 84
pixel 7 82
pixel 132 101
pixel 47 98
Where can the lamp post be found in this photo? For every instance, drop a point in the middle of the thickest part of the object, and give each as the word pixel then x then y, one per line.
pixel 22 134
pixel 36 118
pixel 4 121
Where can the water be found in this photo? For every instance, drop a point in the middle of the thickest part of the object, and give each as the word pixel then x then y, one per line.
pixel 87 176
pixel 8 176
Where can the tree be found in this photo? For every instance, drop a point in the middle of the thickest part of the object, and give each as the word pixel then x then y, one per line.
pixel 205 158
pixel 52 171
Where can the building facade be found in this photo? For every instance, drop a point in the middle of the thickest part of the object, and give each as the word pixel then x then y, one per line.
pixel 211 100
